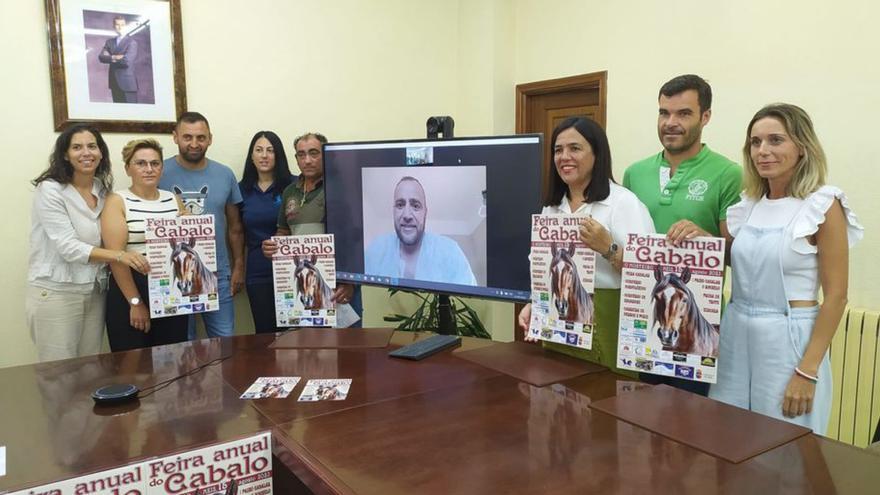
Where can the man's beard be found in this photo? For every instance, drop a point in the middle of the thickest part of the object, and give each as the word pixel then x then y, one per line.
pixel 416 239
pixel 193 156
pixel 690 136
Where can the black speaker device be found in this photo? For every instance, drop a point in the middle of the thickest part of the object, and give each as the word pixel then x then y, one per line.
pixel 115 394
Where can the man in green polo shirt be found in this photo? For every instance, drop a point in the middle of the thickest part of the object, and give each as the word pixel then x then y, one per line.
pixel 687 187
pixel 302 207
pixel 302 202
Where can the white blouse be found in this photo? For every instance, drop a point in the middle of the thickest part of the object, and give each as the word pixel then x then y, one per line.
pixel 621 213
pixel 64 230
pixel 801 219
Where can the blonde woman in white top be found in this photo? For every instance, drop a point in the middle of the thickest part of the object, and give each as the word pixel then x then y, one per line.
pixel 123 227
pixel 66 273
pixel 791 234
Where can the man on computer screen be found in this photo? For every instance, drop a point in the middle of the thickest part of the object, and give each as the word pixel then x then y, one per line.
pixel 412 253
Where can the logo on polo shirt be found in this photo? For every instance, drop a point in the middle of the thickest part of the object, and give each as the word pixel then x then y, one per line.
pixel 291 210
pixel 697 189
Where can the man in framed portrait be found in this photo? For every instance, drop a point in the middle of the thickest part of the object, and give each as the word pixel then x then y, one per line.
pixel 120 53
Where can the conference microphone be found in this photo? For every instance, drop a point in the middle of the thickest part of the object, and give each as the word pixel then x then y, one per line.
pixel 123 392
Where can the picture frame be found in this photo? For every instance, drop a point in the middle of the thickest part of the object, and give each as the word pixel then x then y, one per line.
pixel 116 64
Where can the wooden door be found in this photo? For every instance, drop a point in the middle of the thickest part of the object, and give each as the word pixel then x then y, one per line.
pixel 542 105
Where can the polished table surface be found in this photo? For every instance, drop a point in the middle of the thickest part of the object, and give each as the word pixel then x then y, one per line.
pixel 442 425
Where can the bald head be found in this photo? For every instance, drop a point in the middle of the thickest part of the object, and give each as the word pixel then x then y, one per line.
pixel 410 211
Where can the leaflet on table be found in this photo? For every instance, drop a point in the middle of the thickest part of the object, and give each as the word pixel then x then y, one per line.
pixel 183 265
pixel 246 463
pixel 563 271
pixel 304 273
pixel 271 387
pixel 328 389
pixel 670 306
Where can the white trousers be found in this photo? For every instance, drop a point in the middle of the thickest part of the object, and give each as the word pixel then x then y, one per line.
pixel 65 324
pixel 758 353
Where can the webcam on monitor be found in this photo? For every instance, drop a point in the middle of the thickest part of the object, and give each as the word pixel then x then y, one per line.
pixel 442 124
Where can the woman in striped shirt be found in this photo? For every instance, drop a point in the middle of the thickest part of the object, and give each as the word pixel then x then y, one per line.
pixel 122 228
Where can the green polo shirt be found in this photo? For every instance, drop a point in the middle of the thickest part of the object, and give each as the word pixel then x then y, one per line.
pixel 701 190
pixel 302 213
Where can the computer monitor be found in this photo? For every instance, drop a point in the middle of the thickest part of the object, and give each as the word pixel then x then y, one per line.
pixel 450 216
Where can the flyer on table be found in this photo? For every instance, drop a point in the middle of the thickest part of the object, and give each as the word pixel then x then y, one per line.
pixel 242 466
pixel 327 389
pixel 271 387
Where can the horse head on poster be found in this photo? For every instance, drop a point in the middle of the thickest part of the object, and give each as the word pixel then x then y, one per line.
pixel 313 291
pixel 677 318
pixel 572 301
pixel 191 275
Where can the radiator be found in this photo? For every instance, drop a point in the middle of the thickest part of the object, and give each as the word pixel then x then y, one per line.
pixel 856 370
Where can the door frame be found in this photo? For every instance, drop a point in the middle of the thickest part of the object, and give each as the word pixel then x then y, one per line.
pixel 594 80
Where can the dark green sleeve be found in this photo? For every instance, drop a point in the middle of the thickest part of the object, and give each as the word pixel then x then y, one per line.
pixel 731 188
pixel 626 178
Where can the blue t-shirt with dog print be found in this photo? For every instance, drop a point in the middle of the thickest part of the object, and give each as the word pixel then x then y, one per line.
pixel 205 192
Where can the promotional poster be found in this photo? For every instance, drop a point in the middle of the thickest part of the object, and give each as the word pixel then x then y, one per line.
pixel 327 389
pixel 670 306
pixel 304 273
pixel 243 467
pixel 183 265
pixel 563 270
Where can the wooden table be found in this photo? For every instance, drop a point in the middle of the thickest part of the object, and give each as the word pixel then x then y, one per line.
pixel 442 425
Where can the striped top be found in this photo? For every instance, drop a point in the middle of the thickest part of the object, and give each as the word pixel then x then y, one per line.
pixel 137 210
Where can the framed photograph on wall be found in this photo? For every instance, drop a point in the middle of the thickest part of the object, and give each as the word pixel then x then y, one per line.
pixel 116 63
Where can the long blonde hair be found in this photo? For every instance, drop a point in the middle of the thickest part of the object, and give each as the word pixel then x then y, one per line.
pixel 810 170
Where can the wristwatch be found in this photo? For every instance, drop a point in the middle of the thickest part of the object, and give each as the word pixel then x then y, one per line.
pixel 134 301
pixel 612 250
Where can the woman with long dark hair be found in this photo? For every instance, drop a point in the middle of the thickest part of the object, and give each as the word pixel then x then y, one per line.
pixel 67 275
pixel 581 182
pixel 266 174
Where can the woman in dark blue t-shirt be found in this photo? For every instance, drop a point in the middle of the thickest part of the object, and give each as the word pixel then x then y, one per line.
pixel 266 174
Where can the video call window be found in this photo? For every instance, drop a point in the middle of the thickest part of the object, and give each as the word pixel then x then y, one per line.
pixel 450 216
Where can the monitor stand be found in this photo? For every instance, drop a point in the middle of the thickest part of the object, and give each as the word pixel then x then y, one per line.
pixel 445 318
pixel 434 127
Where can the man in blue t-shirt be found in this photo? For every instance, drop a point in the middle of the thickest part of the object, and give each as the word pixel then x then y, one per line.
pixel 207 187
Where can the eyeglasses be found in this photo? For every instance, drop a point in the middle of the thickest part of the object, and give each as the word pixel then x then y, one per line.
pixel 143 164
pixel 312 153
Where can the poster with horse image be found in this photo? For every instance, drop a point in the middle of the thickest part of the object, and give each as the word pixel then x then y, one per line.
pixel 304 271
pixel 670 306
pixel 563 271
pixel 182 253
pixel 326 389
